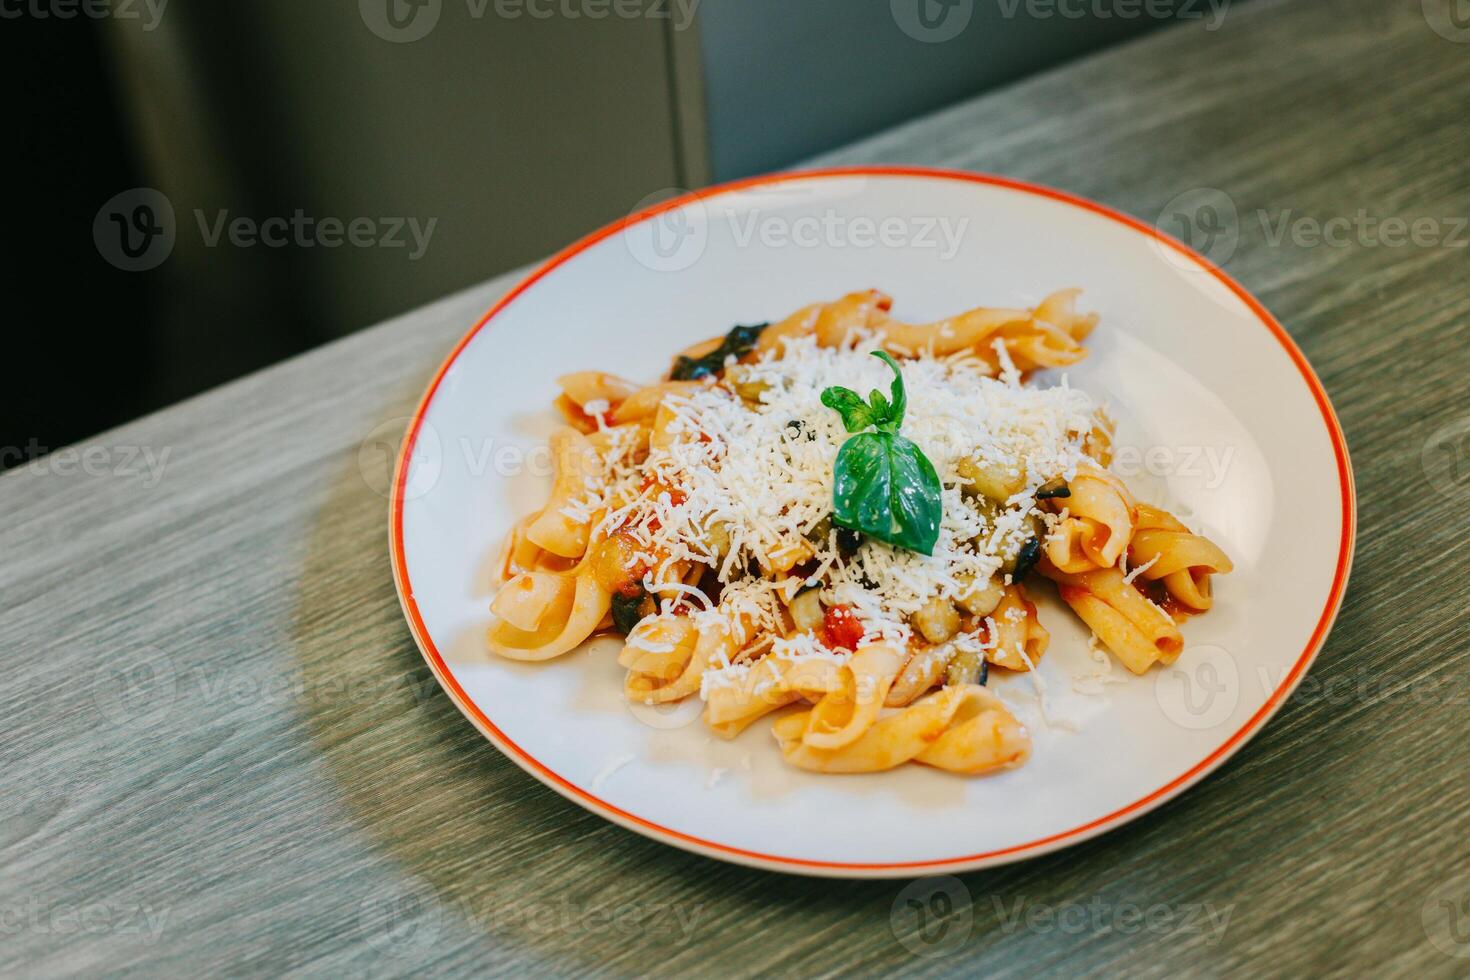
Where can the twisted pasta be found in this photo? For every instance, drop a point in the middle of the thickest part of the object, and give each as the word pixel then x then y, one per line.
pixel 922 671
pixel 1048 336
pixel 1124 619
pixel 772 682
pixel 560 528
pixel 964 729
pixel 658 675
pixel 849 710
pixel 1100 518
pixel 520 554
pixel 1164 550
pixel 1017 637
pixel 574 605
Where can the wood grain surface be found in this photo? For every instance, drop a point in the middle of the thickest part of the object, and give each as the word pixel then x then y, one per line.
pixel 220 751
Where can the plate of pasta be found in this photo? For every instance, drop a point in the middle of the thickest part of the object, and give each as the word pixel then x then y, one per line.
pixel 872 522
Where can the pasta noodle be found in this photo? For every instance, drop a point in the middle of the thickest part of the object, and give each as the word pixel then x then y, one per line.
pixel 771 683
pixel 699 517
pixel 1099 523
pixel 964 729
pixel 575 609
pixel 559 528
pixel 1124 619
pixel 1016 633
pixel 1164 550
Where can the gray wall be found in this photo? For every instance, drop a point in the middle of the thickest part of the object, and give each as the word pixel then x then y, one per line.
pixel 789 78
pixel 514 135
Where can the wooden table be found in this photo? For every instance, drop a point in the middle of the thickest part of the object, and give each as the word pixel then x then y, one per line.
pixel 222 752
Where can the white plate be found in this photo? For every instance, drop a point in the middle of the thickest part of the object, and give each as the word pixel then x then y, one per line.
pixel 1220 416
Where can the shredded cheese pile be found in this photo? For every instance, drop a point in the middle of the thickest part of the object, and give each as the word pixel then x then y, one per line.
pixel 737 484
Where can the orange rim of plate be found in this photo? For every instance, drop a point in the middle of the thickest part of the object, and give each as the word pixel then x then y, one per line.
pixel 1015 852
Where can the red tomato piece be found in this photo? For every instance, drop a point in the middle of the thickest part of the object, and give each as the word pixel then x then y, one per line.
pixel 841 628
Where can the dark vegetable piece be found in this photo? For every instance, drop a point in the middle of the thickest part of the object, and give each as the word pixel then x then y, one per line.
pixel 984 673
pixel 738 342
pixel 1026 560
pixel 818 534
pixel 630 606
pixel 1053 488
pixel 848 541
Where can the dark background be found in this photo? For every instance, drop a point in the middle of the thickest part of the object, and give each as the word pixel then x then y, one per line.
pixel 78 328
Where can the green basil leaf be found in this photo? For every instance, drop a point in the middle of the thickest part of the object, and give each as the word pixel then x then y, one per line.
pixel 856 415
pixel 900 395
pixel 886 488
pixel 918 502
pixel 882 411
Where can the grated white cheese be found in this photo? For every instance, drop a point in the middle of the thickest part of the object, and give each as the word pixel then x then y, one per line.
pixel 1133 573
pixel 737 486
